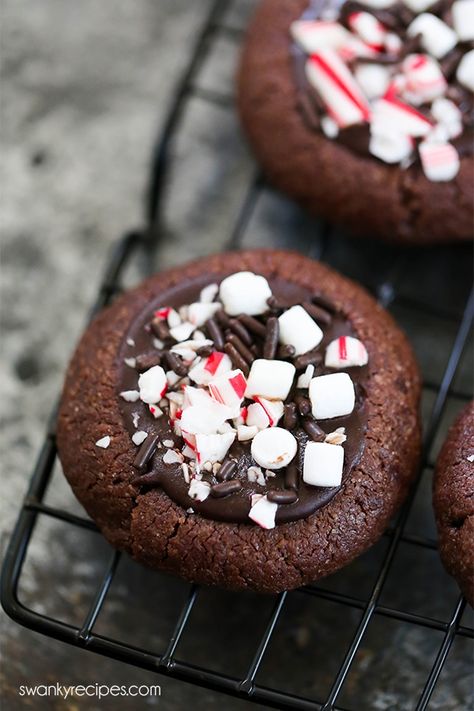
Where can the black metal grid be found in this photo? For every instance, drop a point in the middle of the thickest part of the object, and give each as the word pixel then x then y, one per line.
pixel 34 506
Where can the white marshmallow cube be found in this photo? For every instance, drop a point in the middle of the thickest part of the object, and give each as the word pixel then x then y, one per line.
pixel 463 19
pixel 298 329
pixel 271 379
pixel 331 396
pixel 346 352
pixel 465 70
pixel 263 512
pixel 152 385
pixel 245 293
pixel 437 38
pixel 440 161
pixel 213 447
pixel 390 148
pixel 273 448
pixel 323 464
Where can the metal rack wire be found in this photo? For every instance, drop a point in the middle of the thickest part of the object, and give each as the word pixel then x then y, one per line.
pixel 34 506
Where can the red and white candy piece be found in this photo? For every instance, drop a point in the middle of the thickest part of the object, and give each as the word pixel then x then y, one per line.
pixel 369 29
pixel 393 117
pixel 448 115
pixel 139 437
pixel 229 389
pixel 264 413
pixel 273 448
pixel 331 395
pixel 338 89
pixel 313 35
pixel 440 161
pixel 373 79
pixel 204 420
pixel 199 490
pixel 263 511
pixel 244 293
pixel 298 329
pixel 463 19
pixel 437 38
pixel 199 313
pixel 271 379
pixel 355 48
pixel 465 70
pixel 323 464
pixel 196 396
pixel 425 80
pixel 152 385
pixel 209 368
pixel 346 352
pixel 213 447
pixel 245 433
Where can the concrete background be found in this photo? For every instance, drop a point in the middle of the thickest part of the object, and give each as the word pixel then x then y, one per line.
pixel 84 89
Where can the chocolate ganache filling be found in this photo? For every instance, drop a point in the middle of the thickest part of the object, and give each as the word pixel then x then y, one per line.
pixel 163 370
pixel 393 80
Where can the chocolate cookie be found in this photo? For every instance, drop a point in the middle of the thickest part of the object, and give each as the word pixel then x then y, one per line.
pixel 364 112
pixel 453 499
pixel 249 420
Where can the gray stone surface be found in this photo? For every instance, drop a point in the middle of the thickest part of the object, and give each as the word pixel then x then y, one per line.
pixel 85 86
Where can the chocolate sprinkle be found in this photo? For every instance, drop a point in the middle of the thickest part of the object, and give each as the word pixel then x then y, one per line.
pixel 287 351
pixel 145 453
pixel 317 313
pixel 227 470
pixel 282 496
pixel 240 331
pixel 222 318
pixel 324 303
pixel 303 405
pixel 290 416
pixel 160 329
pixel 175 363
pixel 215 333
pixel 145 361
pixel 313 430
pixel 225 488
pixel 236 358
pixel 151 479
pixel 310 358
pixel 241 347
pixel 253 325
pixel 204 351
pixel 271 338
pixel 292 476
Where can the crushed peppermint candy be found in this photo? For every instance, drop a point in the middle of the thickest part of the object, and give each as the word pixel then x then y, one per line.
pixel 470 458
pixel 383 69
pixel 103 442
pixel 234 405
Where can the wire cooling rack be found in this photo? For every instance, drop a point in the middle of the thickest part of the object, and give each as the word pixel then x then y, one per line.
pixel 391 274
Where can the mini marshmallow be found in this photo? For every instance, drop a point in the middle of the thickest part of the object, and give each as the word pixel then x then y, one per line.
pixel 465 70
pixel 246 433
pixel 323 464
pixel 263 512
pixel 437 38
pixel 183 331
pixel 139 437
pixel 208 368
pixel 271 379
pixel 338 89
pixel 463 19
pixel 130 395
pixel 448 115
pixel 264 413
pixel 273 448
pixel 298 329
pixel 103 442
pixel 346 352
pixel 245 293
pixel 213 447
pixel 199 313
pixel 229 389
pixel 390 149
pixel 418 6
pixel 152 385
pixel 331 395
pixel 373 79
pixel 313 35
pixel 424 79
pixel 199 490
pixel 440 161
pixel 209 293
pixel 305 379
